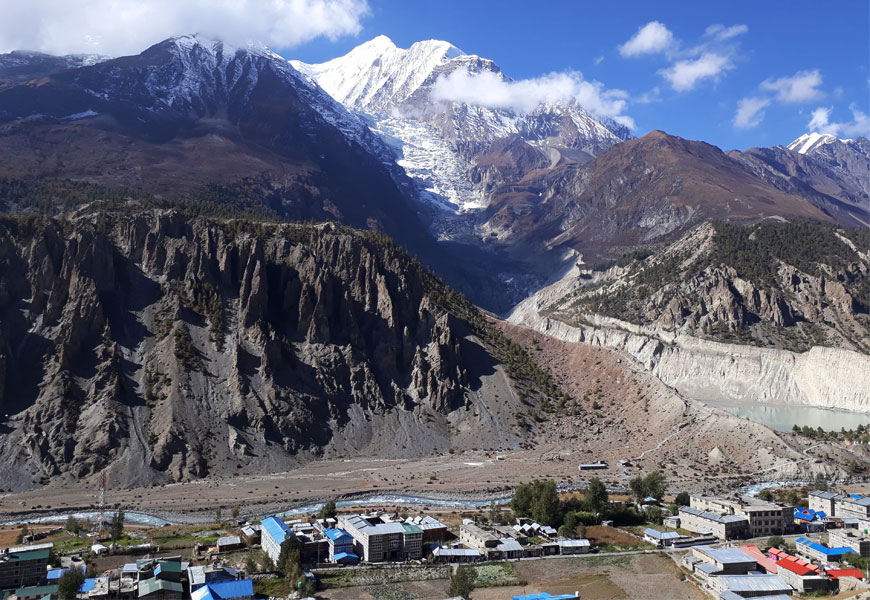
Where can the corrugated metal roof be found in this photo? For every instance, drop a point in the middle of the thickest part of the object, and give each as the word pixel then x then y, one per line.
pixel 426 522
pixel 276 529
pixel 149 586
pixel 823 549
pixel 412 529
pixel 754 583
pixel 456 552
pixel 729 595
pixel 168 566
pixel 661 535
pixel 837 573
pixel 196 575
pixel 22 555
pixel 36 590
pixel 711 516
pixel 574 543
pixel 768 563
pixel 230 540
pixel 226 590
pixel 342 556
pixel 509 545
pixel 337 534
pixel 202 593
pixel 790 565
pixel 708 568
pixel 726 555
pixel 825 495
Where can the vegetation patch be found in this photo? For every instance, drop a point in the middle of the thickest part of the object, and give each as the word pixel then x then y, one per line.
pixel 393 591
pixel 379 577
pixel 495 575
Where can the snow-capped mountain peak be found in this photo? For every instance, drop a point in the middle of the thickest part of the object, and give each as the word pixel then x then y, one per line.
pixel 377 76
pixel 439 140
pixel 812 141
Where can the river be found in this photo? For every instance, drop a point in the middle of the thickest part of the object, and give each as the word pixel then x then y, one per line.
pixel 783 418
pixel 376 500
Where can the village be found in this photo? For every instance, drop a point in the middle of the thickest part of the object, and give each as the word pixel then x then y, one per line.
pixel 706 547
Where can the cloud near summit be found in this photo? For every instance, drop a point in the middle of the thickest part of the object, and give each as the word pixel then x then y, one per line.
pixel 116 28
pixel 522 96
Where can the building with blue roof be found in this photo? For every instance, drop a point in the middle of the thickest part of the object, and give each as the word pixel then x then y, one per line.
pixel 812 549
pixel 242 589
pixel 274 532
pixel 340 542
pixel 346 558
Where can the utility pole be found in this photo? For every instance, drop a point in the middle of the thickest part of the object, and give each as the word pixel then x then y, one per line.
pixel 102 504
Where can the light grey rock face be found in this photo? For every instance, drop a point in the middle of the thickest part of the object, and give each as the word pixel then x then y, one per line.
pixel 696 368
pixel 822 377
pixel 165 349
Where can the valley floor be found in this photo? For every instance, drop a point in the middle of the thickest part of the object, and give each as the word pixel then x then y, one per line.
pixel 624 412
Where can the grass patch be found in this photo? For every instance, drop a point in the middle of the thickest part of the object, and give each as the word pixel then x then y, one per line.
pixel 393 591
pixel 277 587
pixel 495 575
pixel 378 577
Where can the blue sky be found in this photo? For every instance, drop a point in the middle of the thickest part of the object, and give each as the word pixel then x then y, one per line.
pixel 785 60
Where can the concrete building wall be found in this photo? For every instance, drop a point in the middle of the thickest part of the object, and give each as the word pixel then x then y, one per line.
pixel 849 507
pixel 722 530
pixel 850 539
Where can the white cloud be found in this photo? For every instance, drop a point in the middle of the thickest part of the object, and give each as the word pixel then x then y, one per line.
pixel 653 95
pixel 750 112
pixel 803 86
pixel 720 32
pixel 708 59
pixel 651 38
pixel 598 60
pixel 522 96
pixel 117 27
pixel 858 126
pixel 683 75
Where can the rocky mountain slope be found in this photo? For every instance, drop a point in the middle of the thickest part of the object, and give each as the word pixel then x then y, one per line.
pixel 21 66
pixel 780 285
pixel 829 171
pixel 650 189
pixel 164 347
pixel 192 117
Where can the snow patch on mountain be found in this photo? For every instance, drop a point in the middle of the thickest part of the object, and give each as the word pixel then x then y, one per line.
pixel 430 161
pixel 812 141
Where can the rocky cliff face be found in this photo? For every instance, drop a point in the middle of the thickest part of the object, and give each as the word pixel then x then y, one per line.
pixel 165 348
pixel 702 369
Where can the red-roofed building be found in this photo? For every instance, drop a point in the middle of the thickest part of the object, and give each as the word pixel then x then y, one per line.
pixel 768 564
pixel 837 573
pixel 787 563
pixel 778 555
